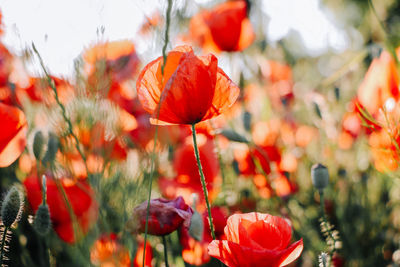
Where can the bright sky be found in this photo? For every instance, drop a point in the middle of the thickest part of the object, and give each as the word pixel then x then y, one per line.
pixel 62 29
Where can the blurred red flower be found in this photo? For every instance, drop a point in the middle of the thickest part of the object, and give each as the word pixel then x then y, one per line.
pixel 5 66
pixel 38 90
pixel 81 199
pixel 256 239
pixel 13 134
pixel 223 28
pixel 116 60
pixel 195 252
pixel 165 216
pixel 192 89
pixel 187 180
pixel 108 252
pixel 138 262
pixel 381 83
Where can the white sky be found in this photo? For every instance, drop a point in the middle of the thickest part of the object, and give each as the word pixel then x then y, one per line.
pixel 61 29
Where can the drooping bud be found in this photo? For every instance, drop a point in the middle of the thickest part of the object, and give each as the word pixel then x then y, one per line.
pixel 234 136
pixel 317 110
pixel 52 148
pixel 11 208
pixel 247 120
pixel 196 227
pixel 42 221
pixel 319 176
pixel 38 142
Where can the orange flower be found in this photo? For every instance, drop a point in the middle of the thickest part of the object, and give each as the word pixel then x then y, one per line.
pixel 381 83
pixel 80 197
pixel 223 28
pixel 116 60
pixel 108 252
pixel 256 239
pixel 192 89
pixel 12 135
pixel 5 65
pixel 139 255
pixel 38 90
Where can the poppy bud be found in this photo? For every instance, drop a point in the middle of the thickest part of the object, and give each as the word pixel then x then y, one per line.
pixel 234 136
pixel 12 207
pixel 317 110
pixel 319 176
pixel 165 216
pixel 52 148
pixel 38 142
pixel 42 221
pixel 247 120
pixel 196 228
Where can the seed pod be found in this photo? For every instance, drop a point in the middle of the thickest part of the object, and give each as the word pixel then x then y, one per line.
pixel 42 221
pixel 319 176
pixel 12 206
pixel 38 142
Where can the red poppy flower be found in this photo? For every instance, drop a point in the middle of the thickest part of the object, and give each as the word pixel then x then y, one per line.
pixel 80 196
pixel 192 89
pixel 165 216
pixel 107 251
pixel 13 134
pixel 38 90
pixel 139 255
pixel 195 252
pixel 256 239
pixel 116 60
pixel 5 65
pixel 246 159
pixel 187 180
pixel 223 28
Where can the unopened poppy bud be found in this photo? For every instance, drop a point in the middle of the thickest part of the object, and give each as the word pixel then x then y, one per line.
pixel 42 221
pixel 38 142
pixel 247 120
pixel 12 206
pixel 196 228
pixel 317 110
pixel 319 176
pixel 52 148
pixel 234 136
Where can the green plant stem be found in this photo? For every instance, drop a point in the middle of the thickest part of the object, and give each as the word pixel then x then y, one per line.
pixel 165 251
pixel 203 181
pixel 324 218
pixel 3 242
pixel 63 110
pixel 164 49
pixel 391 46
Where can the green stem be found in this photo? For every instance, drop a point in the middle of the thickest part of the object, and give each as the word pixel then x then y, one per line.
pixel 165 251
pixel 63 110
pixel 324 218
pixel 391 47
pixel 168 20
pixel 3 242
pixel 203 180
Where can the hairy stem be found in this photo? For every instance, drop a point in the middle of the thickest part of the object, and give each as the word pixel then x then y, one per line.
pixel 3 242
pixel 153 156
pixel 203 181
